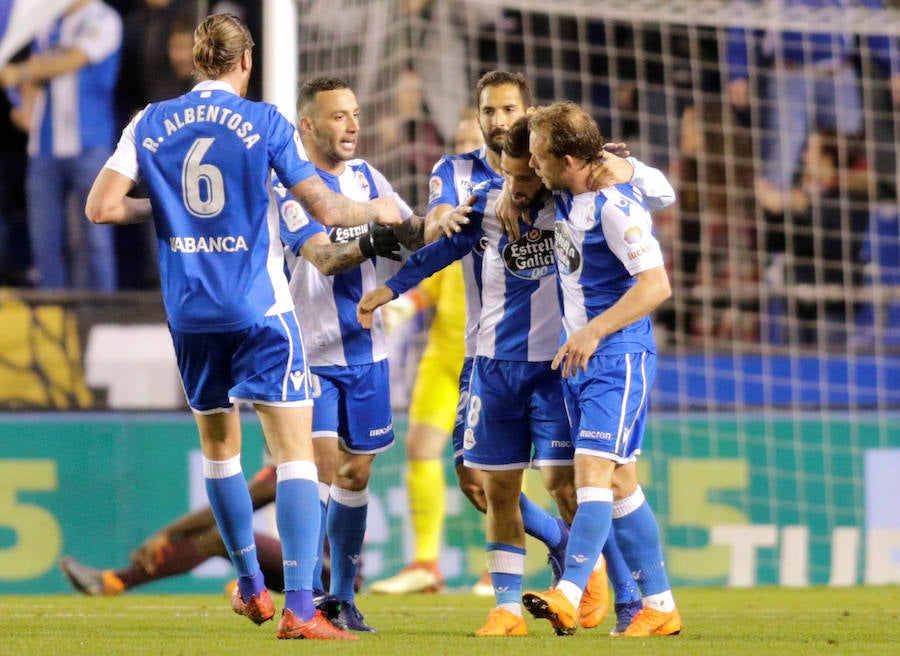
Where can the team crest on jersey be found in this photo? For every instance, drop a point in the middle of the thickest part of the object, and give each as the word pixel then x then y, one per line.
pixel 363 183
pixel 568 259
pixel 589 217
pixel 293 215
pixel 435 188
pixel 531 255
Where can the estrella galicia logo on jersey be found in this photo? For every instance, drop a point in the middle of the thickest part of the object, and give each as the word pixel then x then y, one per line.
pixel 293 215
pixel 280 189
pixel 531 255
pixel 363 183
pixel 435 188
pixel 481 246
pixel 568 259
pixel 341 235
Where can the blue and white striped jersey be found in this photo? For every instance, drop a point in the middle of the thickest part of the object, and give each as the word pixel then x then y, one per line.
pixel 327 304
pixel 206 157
pixel 603 239
pixel 520 317
pixel 76 111
pixel 452 181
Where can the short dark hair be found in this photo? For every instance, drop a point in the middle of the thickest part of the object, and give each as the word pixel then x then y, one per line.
pixel 516 142
pixel 499 78
pixel 311 88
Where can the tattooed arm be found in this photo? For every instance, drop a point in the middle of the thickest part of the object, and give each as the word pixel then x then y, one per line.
pixel 331 258
pixel 330 208
pixel 411 233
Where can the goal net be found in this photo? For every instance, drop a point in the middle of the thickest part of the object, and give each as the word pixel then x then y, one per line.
pixel 774 441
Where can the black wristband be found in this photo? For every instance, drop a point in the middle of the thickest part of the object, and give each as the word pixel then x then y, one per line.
pixel 367 245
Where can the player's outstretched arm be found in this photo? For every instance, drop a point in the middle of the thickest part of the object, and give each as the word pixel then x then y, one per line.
pixel 331 258
pixel 371 301
pixel 333 209
pixel 411 233
pixel 446 220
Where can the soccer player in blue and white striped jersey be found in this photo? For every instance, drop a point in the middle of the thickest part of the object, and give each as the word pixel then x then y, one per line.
pixel 612 277
pixel 352 420
pixel 502 98
pixel 207 157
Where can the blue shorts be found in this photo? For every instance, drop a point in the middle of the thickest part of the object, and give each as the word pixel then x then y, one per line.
pixel 608 404
pixel 459 424
pixel 353 403
pixel 263 363
pixel 516 415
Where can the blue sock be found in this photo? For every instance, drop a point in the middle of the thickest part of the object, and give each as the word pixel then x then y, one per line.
pixel 587 534
pixel 637 535
pixel 318 586
pixel 620 577
pixel 347 510
pixel 300 602
pixel 298 517
pixel 230 502
pixel 506 564
pixel 539 523
pixel 251 585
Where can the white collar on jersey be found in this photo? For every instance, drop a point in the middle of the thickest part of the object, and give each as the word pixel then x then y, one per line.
pixel 214 85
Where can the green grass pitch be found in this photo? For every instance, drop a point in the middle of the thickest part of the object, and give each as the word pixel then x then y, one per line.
pixel 731 622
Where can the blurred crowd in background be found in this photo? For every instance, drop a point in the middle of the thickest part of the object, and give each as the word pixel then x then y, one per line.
pixel 780 148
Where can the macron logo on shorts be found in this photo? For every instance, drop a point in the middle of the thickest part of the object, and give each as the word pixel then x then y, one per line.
pixel 596 435
pixel 297 378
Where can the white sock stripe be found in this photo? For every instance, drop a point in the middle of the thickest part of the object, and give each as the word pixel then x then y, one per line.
pixel 324 492
pixel 583 494
pixel 297 469
pixel 351 498
pixel 629 504
pixel 506 562
pixel 222 468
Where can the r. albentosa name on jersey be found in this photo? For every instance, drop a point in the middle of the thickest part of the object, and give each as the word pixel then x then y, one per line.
pixel 209 114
